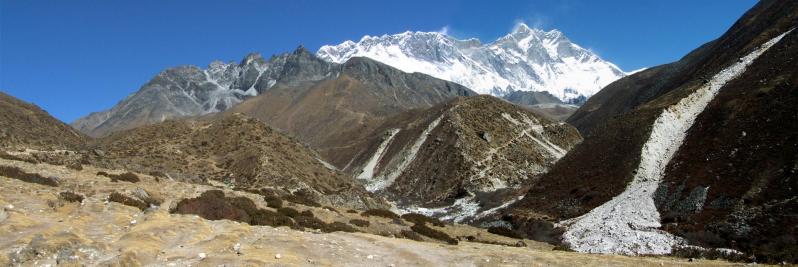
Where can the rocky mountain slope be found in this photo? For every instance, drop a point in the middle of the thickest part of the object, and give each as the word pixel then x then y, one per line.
pixel 525 59
pixel 235 150
pixel 696 152
pixel 460 159
pixel 186 91
pixel 24 125
pixel 336 116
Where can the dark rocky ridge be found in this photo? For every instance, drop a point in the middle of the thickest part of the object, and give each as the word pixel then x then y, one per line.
pixel 747 183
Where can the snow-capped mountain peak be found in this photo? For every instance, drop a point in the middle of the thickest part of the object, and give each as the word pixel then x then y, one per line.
pixel 526 59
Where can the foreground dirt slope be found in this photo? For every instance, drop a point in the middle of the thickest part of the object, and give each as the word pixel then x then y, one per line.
pixel 39 228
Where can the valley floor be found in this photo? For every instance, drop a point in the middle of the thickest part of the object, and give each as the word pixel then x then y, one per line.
pixel 38 229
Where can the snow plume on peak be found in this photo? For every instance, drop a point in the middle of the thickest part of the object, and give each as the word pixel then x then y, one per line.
pixel 527 59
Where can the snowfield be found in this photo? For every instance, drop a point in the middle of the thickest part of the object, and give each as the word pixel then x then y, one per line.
pixel 526 59
pixel 628 224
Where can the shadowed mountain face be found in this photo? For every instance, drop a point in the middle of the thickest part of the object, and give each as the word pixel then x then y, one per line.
pixel 728 179
pixel 335 116
pixel 231 149
pixel 24 125
pixel 187 91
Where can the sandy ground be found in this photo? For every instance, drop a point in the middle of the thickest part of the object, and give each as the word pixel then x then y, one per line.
pixel 37 229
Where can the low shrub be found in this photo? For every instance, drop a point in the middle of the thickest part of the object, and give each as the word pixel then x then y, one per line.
pixel 708 253
pixel 128 201
pixel 310 222
pixel 423 229
pixel 421 218
pixel 359 222
pixel 70 196
pixel 289 212
pixel 127 177
pixel 273 202
pixel 407 234
pixel 503 231
pixel 213 205
pixel 380 213
pixel 307 213
pixel 302 200
pixel 74 166
pixel 158 175
pixel 4 155
pixel 338 227
pixel 270 218
pixel 19 174
pixel 352 211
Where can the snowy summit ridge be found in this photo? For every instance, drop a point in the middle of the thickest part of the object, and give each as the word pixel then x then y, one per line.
pixel 526 59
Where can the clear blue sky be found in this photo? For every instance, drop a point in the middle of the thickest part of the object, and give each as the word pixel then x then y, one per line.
pixel 75 57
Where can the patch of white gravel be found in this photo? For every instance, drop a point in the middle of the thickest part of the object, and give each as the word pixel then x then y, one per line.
pixel 628 224
pixel 408 155
pixel 367 173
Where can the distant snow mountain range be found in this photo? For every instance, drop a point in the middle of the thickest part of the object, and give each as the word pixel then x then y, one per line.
pixel 525 60
pixel 529 61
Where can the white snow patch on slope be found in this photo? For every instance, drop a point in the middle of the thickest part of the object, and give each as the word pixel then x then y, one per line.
pixel 462 209
pixel 368 170
pixel 385 180
pixel 628 223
